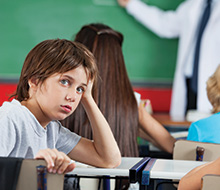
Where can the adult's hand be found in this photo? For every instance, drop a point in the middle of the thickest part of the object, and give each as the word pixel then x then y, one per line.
pixel 123 3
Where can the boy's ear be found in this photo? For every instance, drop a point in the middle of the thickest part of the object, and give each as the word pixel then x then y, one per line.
pixel 33 83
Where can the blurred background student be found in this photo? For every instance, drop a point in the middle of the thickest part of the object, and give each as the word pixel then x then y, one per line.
pixel 197 25
pixel 114 95
pixel 208 129
pixel 193 179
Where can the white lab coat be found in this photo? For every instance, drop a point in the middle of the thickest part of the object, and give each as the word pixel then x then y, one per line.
pixel 182 24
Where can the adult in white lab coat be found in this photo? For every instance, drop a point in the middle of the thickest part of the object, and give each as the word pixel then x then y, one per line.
pixel 183 24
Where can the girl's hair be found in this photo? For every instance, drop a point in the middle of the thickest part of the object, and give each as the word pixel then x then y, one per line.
pixel 54 56
pixel 114 94
pixel 213 90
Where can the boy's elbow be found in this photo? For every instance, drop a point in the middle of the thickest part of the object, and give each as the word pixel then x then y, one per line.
pixel 117 162
pixel 114 162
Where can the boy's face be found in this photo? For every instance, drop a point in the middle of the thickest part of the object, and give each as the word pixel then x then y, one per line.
pixel 59 95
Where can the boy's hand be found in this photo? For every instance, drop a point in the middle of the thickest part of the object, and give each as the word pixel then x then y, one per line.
pixel 88 93
pixel 57 162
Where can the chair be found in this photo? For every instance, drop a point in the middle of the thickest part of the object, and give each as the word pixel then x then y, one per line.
pixel 210 181
pixel 9 172
pixel 186 150
pixel 28 176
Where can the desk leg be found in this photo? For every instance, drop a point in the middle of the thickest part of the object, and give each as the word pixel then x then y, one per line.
pixel 106 184
pixel 151 186
pixel 161 184
pixel 143 187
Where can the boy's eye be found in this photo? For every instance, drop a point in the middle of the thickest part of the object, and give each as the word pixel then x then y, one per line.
pixel 64 82
pixel 80 90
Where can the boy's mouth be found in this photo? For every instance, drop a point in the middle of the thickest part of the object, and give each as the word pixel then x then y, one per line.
pixel 66 108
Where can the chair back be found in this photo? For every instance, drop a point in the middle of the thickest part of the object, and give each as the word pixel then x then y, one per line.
pixel 186 150
pixel 210 181
pixel 28 176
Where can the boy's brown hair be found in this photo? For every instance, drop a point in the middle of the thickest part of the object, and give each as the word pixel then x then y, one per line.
pixel 54 56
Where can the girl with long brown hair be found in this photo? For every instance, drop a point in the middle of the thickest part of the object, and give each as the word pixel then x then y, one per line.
pixel 114 95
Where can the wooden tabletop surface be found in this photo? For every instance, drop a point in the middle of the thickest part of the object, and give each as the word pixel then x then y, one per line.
pixel 165 120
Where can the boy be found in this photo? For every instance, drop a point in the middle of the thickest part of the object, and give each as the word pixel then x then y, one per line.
pixel 56 76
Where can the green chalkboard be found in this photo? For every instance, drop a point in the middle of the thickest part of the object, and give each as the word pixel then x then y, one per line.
pixel 25 23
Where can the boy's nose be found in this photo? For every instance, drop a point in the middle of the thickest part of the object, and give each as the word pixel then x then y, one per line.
pixel 71 97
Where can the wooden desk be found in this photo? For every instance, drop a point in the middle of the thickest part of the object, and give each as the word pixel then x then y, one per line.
pixel 165 120
pixel 167 169
pixel 178 129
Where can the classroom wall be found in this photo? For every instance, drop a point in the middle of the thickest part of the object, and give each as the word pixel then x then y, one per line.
pixel 6 90
pixel 160 97
pixel 27 22
pixel 150 60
